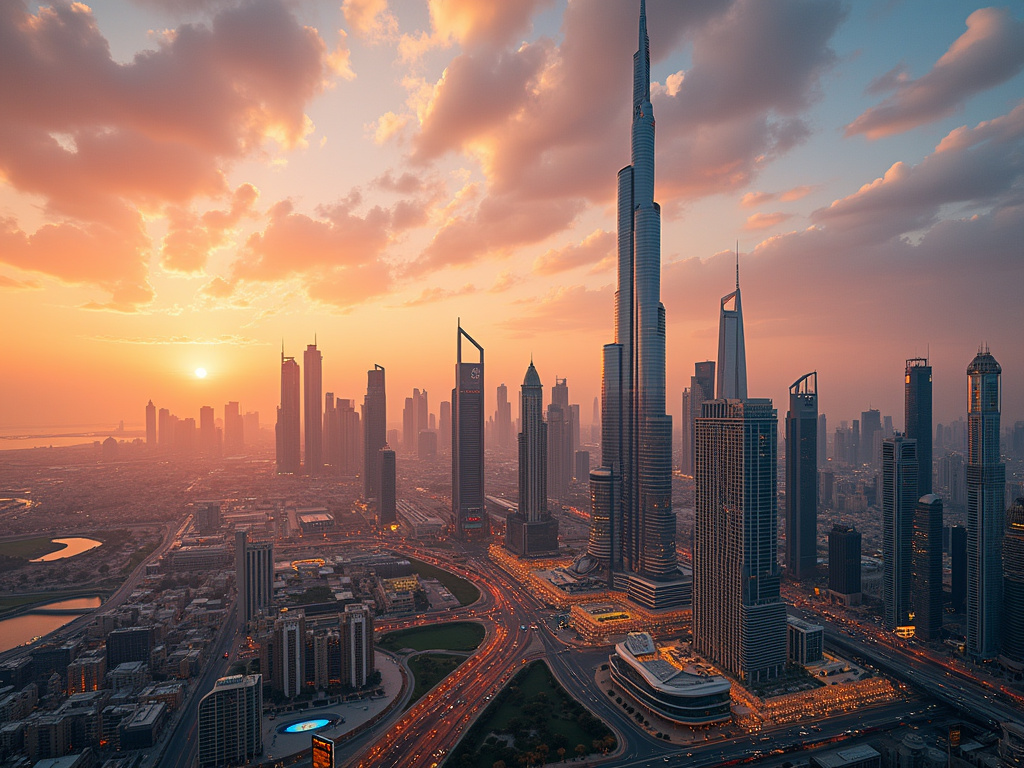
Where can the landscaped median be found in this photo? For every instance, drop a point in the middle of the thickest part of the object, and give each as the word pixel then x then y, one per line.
pixel 535 719
pixel 429 662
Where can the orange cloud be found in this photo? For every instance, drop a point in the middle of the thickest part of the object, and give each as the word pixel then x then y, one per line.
pixel 760 221
pixel 594 248
pixel 191 237
pixel 103 142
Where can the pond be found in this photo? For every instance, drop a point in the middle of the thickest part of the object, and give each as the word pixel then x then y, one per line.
pixel 19 630
pixel 75 546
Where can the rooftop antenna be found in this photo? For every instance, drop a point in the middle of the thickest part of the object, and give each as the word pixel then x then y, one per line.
pixel 737 265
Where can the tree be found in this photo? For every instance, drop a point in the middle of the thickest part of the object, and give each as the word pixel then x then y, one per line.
pixel 498 764
pixel 561 753
pixel 581 750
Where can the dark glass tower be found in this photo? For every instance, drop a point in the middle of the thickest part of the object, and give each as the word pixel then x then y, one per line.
pixel 531 530
pixel 918 414
pixel 636 441
pixel 388 490
pixel 471 523
pixel 899 503
pixel 844 542
pixel 1013 582
pixel 986 487
pixel 702 387
pixel 313 382
pixel 739 618
pixel 150 423
pixel 289 424
pixel 802 478
pixel 375 429
pixel 927 566
pixel 958 565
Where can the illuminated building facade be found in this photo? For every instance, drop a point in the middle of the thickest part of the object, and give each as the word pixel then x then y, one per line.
pixel 468 511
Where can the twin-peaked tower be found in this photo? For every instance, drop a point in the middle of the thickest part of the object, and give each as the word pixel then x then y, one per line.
pixel 632 490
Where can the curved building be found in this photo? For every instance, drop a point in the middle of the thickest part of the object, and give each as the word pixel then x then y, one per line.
pixel 1013 582
pixel 674 694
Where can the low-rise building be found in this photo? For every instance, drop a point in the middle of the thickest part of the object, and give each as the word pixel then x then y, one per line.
pixel 805 642
pixel 679 695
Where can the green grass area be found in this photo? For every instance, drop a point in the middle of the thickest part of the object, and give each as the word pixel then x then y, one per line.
pixel 139 555
pixel 464 592
pixel 16 601
pixel 13 602
pixel 317 594
pixel 456 636
pixel 530 721
pixel 428 670
pixel 30 549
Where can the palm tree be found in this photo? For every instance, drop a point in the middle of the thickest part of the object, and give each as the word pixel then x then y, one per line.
pixel 581 750
pixel 561 753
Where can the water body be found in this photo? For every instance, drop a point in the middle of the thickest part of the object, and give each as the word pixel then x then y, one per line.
pixel 74 547
pixel 19 630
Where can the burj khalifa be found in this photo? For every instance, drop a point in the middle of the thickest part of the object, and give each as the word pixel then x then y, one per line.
pixel 633 525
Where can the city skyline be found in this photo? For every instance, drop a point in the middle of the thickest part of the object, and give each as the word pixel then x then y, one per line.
pixel 219 277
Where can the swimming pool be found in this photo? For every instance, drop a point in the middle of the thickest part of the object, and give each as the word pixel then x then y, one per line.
pixel 310 724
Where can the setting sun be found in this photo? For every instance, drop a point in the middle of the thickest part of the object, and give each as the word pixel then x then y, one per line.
pixel 200 373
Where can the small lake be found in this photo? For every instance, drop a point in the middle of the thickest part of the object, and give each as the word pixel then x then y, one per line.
pixel 19 630
pixel 74 547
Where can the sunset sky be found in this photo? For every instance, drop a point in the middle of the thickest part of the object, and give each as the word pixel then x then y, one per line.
pixel 187 183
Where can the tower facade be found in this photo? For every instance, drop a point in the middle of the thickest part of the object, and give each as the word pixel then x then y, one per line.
pixel 635 478
pixel 468 420
pixel 732 351
pixel 1013 582
pixel 899 503
pixel 986 487
pixel 702 387
pixel 918 412
pixel 254 576
pixel 150 423
pixel 739 618
pixel 314 384
pixel 388 490
pixel 289 459
pixel 230 722
pixel 375 428
pixel 531 530
pixel 234 430
pixel 802 478
pixel 503 419
pixel 927 568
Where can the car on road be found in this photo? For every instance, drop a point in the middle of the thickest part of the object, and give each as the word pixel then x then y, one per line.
pixel 227 655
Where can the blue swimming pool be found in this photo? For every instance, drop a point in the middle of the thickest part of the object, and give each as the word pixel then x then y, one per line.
pixel 306 726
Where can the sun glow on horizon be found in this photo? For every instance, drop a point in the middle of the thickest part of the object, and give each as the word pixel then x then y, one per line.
pixel 200 373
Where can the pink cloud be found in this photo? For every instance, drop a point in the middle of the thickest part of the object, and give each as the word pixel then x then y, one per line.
pixel 191 236
pixel 990 52
pixel 759 221
pixel 563 310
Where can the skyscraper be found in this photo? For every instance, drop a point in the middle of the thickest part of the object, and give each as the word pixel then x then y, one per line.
pixel 231 722
pixel 531 530
pixel 468 510
pixel 870 437
pixel 732 352
pixel 844 582
pixel 165 437
pixel 918 413
pixel 958 568
pixel 635 478
pixel 207 430
pixel 234 430
pixel 503 419
pixel 739 618
pixel 357 662
pixel 351 459
pixel 289 427
pixel 802 478
pixel 409 426
pixel 702 387
pixel 375 429
pixel 313 382
pixel 986 481
pixel 150 423
pixel 254 575
pixel 388 491
pixel 899 503
pixel 332 434
pixel 1013 582
pixel 927 568
pixel 822 440
pixel 557 429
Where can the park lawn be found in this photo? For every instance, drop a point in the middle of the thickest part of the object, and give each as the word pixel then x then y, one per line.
pixel 463 591
pixel 428 670
pixel 16 601
pixel 30 549
pixel 456 636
